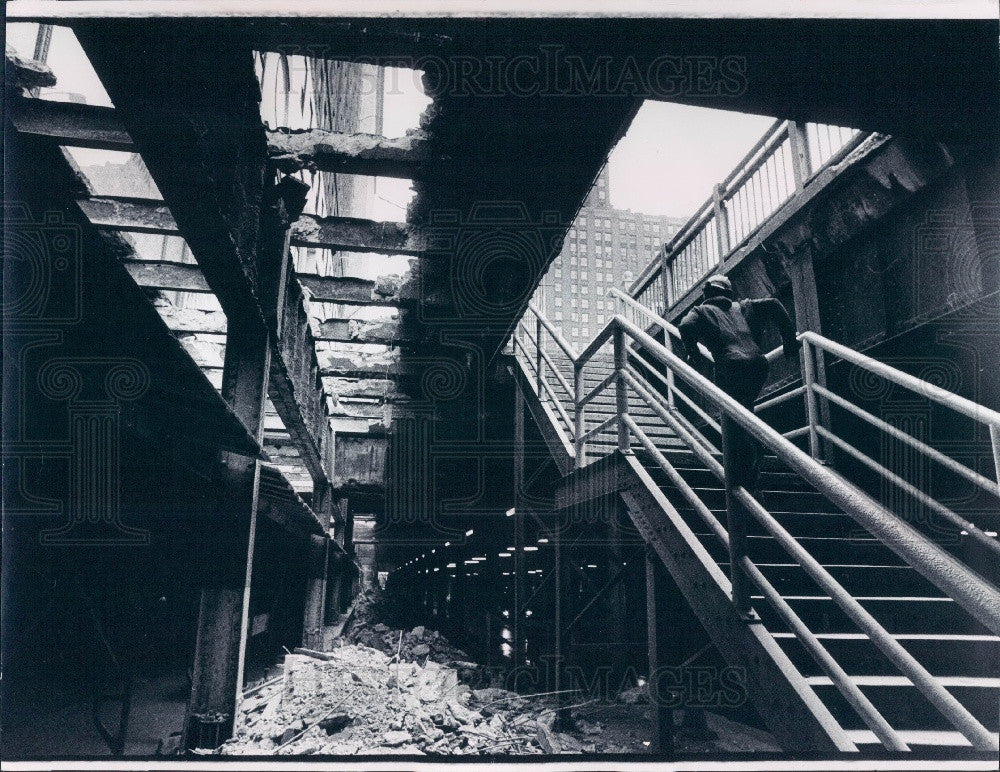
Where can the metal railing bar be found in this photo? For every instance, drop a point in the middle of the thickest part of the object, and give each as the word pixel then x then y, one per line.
pixel 556 335
pixel 780 126
pixel 845 685
pixel 951 516
pixel 664 405
pixel 796 433
pixel 769 403
pixel 975 478
pixel 547 387
pixel 702 453
pixel 558 405
pixel 947 398
pixel 937 695
pixel 677 392
pixel 861 704
pixel 958 581
pixel 599 428
pixel 586 399
pixel 552 365
pixel 599 341
pixel 740 177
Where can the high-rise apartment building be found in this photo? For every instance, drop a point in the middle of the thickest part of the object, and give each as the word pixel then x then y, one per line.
pixel 604 248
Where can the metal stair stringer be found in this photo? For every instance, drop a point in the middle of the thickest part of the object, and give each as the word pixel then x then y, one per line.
pixel 786 702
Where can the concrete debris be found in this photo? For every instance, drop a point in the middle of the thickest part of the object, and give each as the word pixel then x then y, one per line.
pixel 358 700
pixel 416 645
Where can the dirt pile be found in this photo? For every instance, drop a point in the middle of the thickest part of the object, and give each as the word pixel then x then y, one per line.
pixel 357 700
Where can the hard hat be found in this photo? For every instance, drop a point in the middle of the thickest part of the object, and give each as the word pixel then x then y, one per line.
pixel 720 282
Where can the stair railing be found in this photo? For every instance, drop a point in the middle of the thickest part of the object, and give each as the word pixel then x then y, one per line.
pixel 956 580
pixel 977 596
pixel 815 346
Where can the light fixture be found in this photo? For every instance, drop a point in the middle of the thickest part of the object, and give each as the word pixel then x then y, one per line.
pixel 450 565
pixel 510 512
pixel 543 540
pixel 447 544
pixel 469 532
pixel 531 549
pixel 503 554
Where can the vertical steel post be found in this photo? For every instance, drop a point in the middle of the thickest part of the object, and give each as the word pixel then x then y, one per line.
pixel 538 353
pixel 809 373
pixel 666 278
pixel 656 637
pixel 995 442
pixel 801 163
pixel 621 390
pixel 721 224
pixel 579 413
pixel 736 515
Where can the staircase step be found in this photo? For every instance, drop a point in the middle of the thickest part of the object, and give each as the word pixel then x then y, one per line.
pixel 904 706
pixel 914 738
pixel 817 524
pixel 765 549
pixel 773 500
pixel 870 580
pixel 897 614
pixel 960 655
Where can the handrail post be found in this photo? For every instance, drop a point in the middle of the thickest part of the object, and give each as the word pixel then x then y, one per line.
pixel 736 514
pixel 809 373
pixel 538 353
pixel 995 442
pixel 801 163
pixel 721 224
pixel 665 277
pixel 579 420
pixel 621 392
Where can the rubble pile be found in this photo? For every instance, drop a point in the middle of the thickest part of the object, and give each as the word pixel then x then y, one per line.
pixel 358 700
pixel 416 645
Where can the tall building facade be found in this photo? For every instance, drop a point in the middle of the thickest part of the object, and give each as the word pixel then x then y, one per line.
pixel 604 248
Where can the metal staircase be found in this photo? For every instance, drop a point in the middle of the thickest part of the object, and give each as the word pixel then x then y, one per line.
pixel 856 628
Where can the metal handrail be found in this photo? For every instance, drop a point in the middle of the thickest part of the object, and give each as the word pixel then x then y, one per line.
pixel 971 591
pixel 963 585
pixel 671 329
pixel 855 697
pixel 955 579
pixel 724 207
pixel 944 397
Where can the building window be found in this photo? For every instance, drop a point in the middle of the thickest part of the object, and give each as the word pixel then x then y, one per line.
pixel 558 301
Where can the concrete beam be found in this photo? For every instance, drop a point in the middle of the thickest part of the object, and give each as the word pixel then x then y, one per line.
pixel 340 233
pixel 27 73
pixel 385 332
pixel 389 290
pixel 356 235
pixel 333 151
pixel 70 123
pixel 135 215
pixel 366 388
pixel 191 320
pixel 338 363
pixel 181 277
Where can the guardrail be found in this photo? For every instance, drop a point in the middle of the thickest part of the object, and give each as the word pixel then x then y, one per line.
pixel 632 343
pixel 780 164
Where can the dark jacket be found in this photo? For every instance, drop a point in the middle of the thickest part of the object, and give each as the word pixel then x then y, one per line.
pixel 733 330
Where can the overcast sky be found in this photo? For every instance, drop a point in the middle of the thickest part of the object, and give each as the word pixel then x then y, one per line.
pixel 666 163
